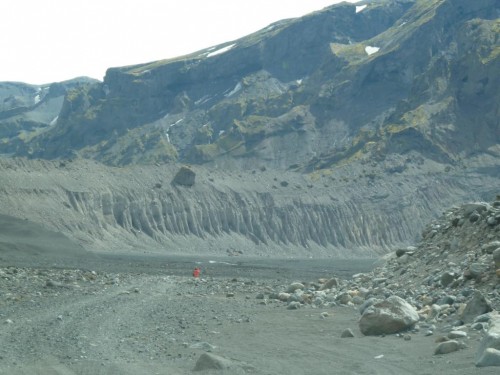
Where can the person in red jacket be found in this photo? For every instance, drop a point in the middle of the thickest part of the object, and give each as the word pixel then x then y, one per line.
pixel 196 272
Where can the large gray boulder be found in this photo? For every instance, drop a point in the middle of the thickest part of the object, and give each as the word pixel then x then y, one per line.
pixel 478 305
pixel 488 352
pixel 389 316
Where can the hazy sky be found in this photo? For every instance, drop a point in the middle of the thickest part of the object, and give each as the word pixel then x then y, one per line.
pixel 45 41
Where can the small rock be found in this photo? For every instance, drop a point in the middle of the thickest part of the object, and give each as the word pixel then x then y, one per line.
pixel 333 282
pixel 447 347
pixel 324 315
pixel 294 305
pixel 457 334
pixel 209 361
pixel 295 286
pixel 203 346
pixel 347 333
pixel 447 278
pixel 490 247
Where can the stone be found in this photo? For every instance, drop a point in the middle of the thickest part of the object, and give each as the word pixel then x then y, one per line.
pixel 474 217
pixel 490 247
pixel 491 340
pixel 447 347
pixel 476 270
pixel 344 298
pixel 367 303
pixel 294 286
pixel 283 296
pixel 347 333
pixel 484 318
pixel 400 252
pixel 293 305
pixel 184 177
pixel 478 305
pixel 203 346
pixel 490 357
pixel 491 221
pixel 208 361
pixel 478 326
pixel 457 335
pixel 333 282
pixel 447 278
pixel 496 257
pixel 389 316
pixel 477 207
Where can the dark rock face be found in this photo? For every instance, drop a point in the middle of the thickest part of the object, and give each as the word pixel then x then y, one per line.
pixel 312 84
pixel 27 110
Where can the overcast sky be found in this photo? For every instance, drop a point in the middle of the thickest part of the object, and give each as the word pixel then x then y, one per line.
pixel 45 41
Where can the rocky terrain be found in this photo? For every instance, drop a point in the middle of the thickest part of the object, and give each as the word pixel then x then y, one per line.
pixel 299 167
pixel 427 308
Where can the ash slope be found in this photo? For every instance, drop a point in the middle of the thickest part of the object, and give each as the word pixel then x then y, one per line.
pixel 262 212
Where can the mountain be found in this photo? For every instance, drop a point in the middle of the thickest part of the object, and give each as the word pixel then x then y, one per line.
pixel 26 111
pixel 304 93
pixel 347 128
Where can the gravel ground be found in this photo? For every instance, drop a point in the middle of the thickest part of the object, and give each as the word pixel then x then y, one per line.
pixel 154 318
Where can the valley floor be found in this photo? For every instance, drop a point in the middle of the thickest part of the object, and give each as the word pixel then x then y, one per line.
pixel 145 316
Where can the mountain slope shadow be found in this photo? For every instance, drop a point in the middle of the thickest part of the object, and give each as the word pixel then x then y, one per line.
pixel 24 243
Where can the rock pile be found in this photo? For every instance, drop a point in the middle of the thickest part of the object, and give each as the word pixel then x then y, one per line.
pixel 449 282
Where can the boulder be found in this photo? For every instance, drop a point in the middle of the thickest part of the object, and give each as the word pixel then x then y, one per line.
pixel 490 357
pixel 184 177
pixel 478 305
pixel 488 352
pixel 389 316
pixel 209 361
